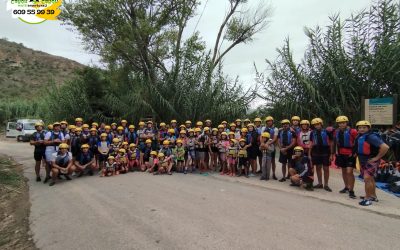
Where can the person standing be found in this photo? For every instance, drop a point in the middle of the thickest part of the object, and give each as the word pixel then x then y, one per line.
pixel 369 148
pixel 286 142
pixel 273 131
pixel 52 140
pixel 37 140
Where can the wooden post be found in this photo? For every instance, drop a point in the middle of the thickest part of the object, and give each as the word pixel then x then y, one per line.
pixel 362 108
pixel 395 102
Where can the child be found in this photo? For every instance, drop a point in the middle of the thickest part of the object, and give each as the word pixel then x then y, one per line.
pixel 232 154
pixel 162 133
pixel 267 148
pixel 133 156
pixel 76 143
pixel 114 147
pixel 171 137
pixel 164 164
pixel 301 172
pixel 120 133
pixel 103 147
pixel 152 165
pixel 190 147
pixel 145 154
pixel 107 130
pixel 125 146
pixel 85 133
pixel 243 159
pixel 93 141
pixel 213 144
pixel 122 161
pixel 223 144
pixel 131 136
pixel 179 156
pixel 110 166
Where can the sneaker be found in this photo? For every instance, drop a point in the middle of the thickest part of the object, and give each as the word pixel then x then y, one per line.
pixel 371 199
pixel 169 173
pixel 80 174
pixel 365 202
pixel 91 172
pixel 38 179
pixel 319 186
pixel 67 177
pixel 52 183
pixel 328 188
pixel 185 172
pixel 274 177
pixel 309 187
pixel 252 175
pixel 344 190
pixel 46 179
pixel 282 180
pixel 293 185
pixel 352 195
pixel 222 173
pixel 263 178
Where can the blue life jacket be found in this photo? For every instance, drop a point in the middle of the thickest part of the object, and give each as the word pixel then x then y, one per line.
pixel 84 158
pixel 131 137
pixel 289 137
pixel 271 131
pixel 324 135
pixel 347 143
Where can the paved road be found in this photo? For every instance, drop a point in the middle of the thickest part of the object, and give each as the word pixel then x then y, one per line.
pixel 141 211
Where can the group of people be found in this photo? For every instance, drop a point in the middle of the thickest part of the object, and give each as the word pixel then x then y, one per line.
pixel 235 149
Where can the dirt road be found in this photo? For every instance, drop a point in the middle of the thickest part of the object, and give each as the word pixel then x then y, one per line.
pixel 142 211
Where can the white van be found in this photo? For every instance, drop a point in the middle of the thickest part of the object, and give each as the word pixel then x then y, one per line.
pixel 22 129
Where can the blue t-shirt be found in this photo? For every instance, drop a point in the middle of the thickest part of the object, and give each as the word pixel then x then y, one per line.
pixel 375 141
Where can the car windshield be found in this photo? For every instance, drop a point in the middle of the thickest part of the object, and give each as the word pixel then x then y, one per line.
pixel 29 126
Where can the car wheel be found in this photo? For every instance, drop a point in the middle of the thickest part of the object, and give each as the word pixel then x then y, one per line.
pixel 19 138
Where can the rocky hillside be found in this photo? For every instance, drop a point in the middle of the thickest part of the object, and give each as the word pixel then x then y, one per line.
pixel 25 72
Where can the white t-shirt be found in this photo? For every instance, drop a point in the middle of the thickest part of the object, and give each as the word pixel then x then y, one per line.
pixel 48 136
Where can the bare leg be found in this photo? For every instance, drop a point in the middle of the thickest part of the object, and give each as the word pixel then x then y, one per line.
pixel 326 175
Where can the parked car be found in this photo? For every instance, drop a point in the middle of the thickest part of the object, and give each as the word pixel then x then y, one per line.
pixel 22 129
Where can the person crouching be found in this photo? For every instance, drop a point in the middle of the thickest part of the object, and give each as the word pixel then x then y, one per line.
pixel 301 173
pixel 110 167
pixel 61 164
pixel 85 161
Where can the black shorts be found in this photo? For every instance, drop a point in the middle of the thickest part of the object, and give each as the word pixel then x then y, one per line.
pixel 180 161
pixel 243 161
pixel 259 153
pixel 214 149
pixel 287 158
pixel 102 157
pixel 320 160
pixel 252 153
pixel 345 161
pixel 38 155
pixel 307 179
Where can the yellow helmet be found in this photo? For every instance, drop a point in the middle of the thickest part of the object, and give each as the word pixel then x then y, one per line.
pixel 93 129
pixel 64 122
pixel 122 150
pixel 231 133
pixel 107 127
pixel 298 148
pixel 85 125
pixel 191 130
pixel 115 140
pixel 71 127
pixel 63 146
pixel 265 135
pixel 342 118
pixel 50 127
pixel 244 130
pixel 233 140
pixel 258 119
pixel 95 124
pixel 132 145
pixel 197 130
pixel 295 118
pixel 316 121
pixel 285 121
pixel 120 128
pixel 182 126
pixel 110 157
pixel 85 146
pixel 38 124
pixel 269 118
pixel 141 123
pixel 232 125
pixel 160 155
pixel 56 124
pixel 208 120
pixel 153 153
pixel 78 129
pixel 179 141
pixel 165 142
pixel 224 133
pixel 206 129
pixel 242 140
pixel 238 120
pixel 148 141
pixel 199 123
pixel 182 131
pixel 247 120
pixel 131 126
pixel 149 122
pixel 162 124
pixel 363 123
pixel 251 125
pixel 188 122
pixel 125 143
pixel 214 129
pixel 305 122
pixel 78 119
pixel 220 126
pixel 113 124
pixel 124 121
pixel 171 131
pixel 173 121
pixel 224 122
pixel 103 135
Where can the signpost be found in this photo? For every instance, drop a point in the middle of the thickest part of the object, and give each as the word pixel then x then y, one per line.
pixel 380 111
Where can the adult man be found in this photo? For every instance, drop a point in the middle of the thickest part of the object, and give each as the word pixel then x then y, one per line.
pixel 343 141
pixel 369 148
pixel 61 164
pixel 286 142
pixel 85 161
pixel 259 129
pixel 295 124
pixel 78 122
pixel 37 140
pixel 273 131
pixel 319 152
pixel 52 140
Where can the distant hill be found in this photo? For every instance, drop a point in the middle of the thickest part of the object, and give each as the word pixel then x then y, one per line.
pixel 25 72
